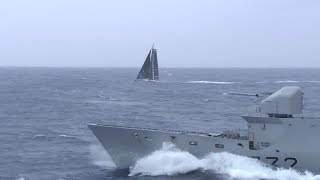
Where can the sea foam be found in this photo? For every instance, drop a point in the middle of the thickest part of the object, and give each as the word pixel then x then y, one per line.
pixel 170 160
pixel 287 81
pixel 212 82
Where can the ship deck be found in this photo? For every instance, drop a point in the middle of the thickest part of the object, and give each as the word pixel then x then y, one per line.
pixel 162 130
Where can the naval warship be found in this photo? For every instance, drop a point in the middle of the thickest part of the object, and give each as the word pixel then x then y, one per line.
pixel 279 135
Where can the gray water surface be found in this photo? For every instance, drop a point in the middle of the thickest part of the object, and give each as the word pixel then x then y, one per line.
pixel 45 111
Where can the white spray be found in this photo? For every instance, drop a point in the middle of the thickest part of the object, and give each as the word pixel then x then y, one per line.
pixel 169 160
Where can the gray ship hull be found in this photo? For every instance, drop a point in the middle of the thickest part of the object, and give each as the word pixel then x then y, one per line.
pixel 126 144
pixel 275 137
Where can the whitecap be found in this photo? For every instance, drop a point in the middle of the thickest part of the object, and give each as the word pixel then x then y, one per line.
pixel 213 82
pixel 170 160
pixel 39 136
pixel 66 136
pixel 102 96
pixel 312 81
pixel 287 81
pixel 91 101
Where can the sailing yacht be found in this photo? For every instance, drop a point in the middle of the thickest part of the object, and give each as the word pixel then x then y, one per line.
pixel 149 70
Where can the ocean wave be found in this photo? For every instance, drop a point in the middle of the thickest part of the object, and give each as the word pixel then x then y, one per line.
pixel 213 82
pixel 20 178
pixel 13 178
pixel 92 101
pixel 66 136
pixel 170 160
pixel 312 81
pixel 39 136
pixel 287 81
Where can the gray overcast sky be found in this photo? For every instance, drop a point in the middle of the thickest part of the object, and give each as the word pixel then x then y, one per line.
pixel 202 33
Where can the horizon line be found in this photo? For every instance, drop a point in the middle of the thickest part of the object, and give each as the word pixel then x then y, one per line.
pixel 174 67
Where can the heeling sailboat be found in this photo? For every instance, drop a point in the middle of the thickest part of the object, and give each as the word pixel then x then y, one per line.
pixel 149 70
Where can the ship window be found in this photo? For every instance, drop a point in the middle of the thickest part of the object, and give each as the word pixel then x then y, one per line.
pixel 240 144
pixel 172 138
pixel 193 142
pixel 148 138
pixel 251 145
pixel 219 145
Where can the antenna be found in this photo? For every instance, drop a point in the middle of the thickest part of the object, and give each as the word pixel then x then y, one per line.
pixel 249 94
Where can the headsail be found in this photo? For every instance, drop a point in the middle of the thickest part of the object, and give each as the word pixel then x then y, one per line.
pixel 149 69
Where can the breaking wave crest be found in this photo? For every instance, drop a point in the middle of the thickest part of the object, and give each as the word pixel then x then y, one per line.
pixel 169 160
pixel 287 81
pixel 66 136
pixel 313 81
pixel 100 157
pixel 213 82
pixel 294 81
pixel 38 136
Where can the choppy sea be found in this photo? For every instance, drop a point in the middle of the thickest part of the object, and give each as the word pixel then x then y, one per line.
pixel 44 114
